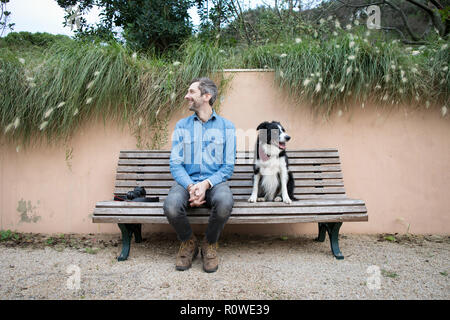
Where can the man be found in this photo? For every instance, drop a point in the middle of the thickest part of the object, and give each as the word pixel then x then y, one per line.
pixel 202 159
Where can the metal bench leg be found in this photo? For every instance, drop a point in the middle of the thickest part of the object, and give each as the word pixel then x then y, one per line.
pixel 333 232
pixel 322 233
pixel 127 233
pixel 137 232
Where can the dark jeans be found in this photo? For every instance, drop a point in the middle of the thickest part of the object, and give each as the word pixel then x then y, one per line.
pixel 219 198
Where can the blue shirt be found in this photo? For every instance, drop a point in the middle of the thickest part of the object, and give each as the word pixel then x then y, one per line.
pixel 203 151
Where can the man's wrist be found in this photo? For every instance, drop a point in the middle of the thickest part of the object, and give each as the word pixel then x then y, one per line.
pixel 189 187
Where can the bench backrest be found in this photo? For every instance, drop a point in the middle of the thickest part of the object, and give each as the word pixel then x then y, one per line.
pixel 317 173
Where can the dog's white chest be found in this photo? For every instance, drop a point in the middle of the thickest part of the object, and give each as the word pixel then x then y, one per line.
pixel 270 170
pixel 270 167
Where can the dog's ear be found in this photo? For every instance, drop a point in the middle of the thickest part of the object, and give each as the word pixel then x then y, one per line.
pixel 262 125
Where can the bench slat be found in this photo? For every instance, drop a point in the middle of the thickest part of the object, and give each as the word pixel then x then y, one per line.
pixel 232 183
pixel 245 197
pixel 249 176
pixel 238 151
pixel 237 211
pixel 241 204
pixel 237 219
pixel 235 176
pixel 239 155
pixel 162 162
pixel 237 169
pixel 243 191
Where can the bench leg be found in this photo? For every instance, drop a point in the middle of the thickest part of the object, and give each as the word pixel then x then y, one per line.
pixel 127 233
pixel 332 228
pixel 322 233
pixel 137 232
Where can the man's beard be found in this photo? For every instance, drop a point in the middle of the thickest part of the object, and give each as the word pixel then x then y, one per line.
pixel 194 106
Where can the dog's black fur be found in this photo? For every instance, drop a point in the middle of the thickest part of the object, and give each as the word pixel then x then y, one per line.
pixel 272 140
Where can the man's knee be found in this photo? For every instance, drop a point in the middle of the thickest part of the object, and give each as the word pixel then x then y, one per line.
pixel 172 208
pixel 223 203
pixel 174 203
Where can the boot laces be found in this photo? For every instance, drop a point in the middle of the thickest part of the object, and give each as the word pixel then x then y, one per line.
pixel 185 244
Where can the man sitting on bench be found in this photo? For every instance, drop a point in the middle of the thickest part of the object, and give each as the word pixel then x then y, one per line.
pixel 201 160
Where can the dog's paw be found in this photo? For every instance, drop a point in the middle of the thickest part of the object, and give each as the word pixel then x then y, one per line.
pixel 277 199
pixel 261 199
pixel 287 200
pixel 252 199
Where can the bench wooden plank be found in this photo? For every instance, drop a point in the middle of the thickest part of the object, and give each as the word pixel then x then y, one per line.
pixel 237 211
pixel 232 183
pixel 237 152
pixel 239 155
pixel 235 176
pixel 245 197
pixel 236 219
pixel 237 169
pixel 243 191
pixel 165 162
pixel 242 204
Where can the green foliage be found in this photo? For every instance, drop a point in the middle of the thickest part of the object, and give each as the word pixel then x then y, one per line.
pixel 356 66
pixel 390 238
pixel 79 81
pixel 25 40
pixel 6 235
pixel 159 24
pixel 91 250
pixel 50 90
pixel 389 274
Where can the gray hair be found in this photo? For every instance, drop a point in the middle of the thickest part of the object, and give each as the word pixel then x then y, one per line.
pixel 206 85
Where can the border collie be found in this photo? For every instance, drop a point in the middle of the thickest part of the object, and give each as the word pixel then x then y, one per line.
pixel 272 180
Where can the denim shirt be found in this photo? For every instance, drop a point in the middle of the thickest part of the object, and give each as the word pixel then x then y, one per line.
pixel 203 151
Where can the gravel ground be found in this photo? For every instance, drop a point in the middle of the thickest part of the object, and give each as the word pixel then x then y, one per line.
pixel 251 267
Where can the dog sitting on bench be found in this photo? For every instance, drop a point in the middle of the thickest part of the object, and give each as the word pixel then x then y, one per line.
pixel 272 180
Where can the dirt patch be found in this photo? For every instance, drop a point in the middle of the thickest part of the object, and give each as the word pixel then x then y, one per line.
pixel 13 239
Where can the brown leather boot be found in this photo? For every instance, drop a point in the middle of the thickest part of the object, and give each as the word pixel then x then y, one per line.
pixel 187 252
pixel 209 255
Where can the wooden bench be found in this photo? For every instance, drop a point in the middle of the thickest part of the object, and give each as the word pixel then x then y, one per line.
pixel 318 186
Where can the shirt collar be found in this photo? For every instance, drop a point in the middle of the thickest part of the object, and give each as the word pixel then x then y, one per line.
pixel 213 116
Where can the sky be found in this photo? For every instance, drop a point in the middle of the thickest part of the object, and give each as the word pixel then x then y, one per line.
pixel 48 16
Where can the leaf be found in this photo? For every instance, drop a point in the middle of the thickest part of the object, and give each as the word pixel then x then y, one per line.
pixel 390 238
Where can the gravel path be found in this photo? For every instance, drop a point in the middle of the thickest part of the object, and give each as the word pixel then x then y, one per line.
pixel 251 267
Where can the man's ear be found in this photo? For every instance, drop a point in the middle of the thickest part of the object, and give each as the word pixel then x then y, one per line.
pixel 207 97
pixel 262 125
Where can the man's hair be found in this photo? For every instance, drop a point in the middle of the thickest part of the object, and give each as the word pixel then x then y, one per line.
pixel 206 85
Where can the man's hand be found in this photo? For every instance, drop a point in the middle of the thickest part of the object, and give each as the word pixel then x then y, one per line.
pixel 197 193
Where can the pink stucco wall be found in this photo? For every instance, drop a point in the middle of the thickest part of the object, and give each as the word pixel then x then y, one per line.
pixel 398 161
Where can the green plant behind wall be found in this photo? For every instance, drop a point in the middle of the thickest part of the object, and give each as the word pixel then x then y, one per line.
pixel 78 81
pixel 48 92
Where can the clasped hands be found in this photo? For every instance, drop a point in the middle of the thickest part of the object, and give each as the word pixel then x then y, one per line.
pixel 197 193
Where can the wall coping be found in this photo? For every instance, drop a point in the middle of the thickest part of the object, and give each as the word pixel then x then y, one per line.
pixel 248 70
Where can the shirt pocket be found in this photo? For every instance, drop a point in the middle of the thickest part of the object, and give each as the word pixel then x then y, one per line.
pixel 188 151
pixel 213 151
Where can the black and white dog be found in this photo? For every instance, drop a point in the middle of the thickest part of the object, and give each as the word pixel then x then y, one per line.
pixel 272 180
